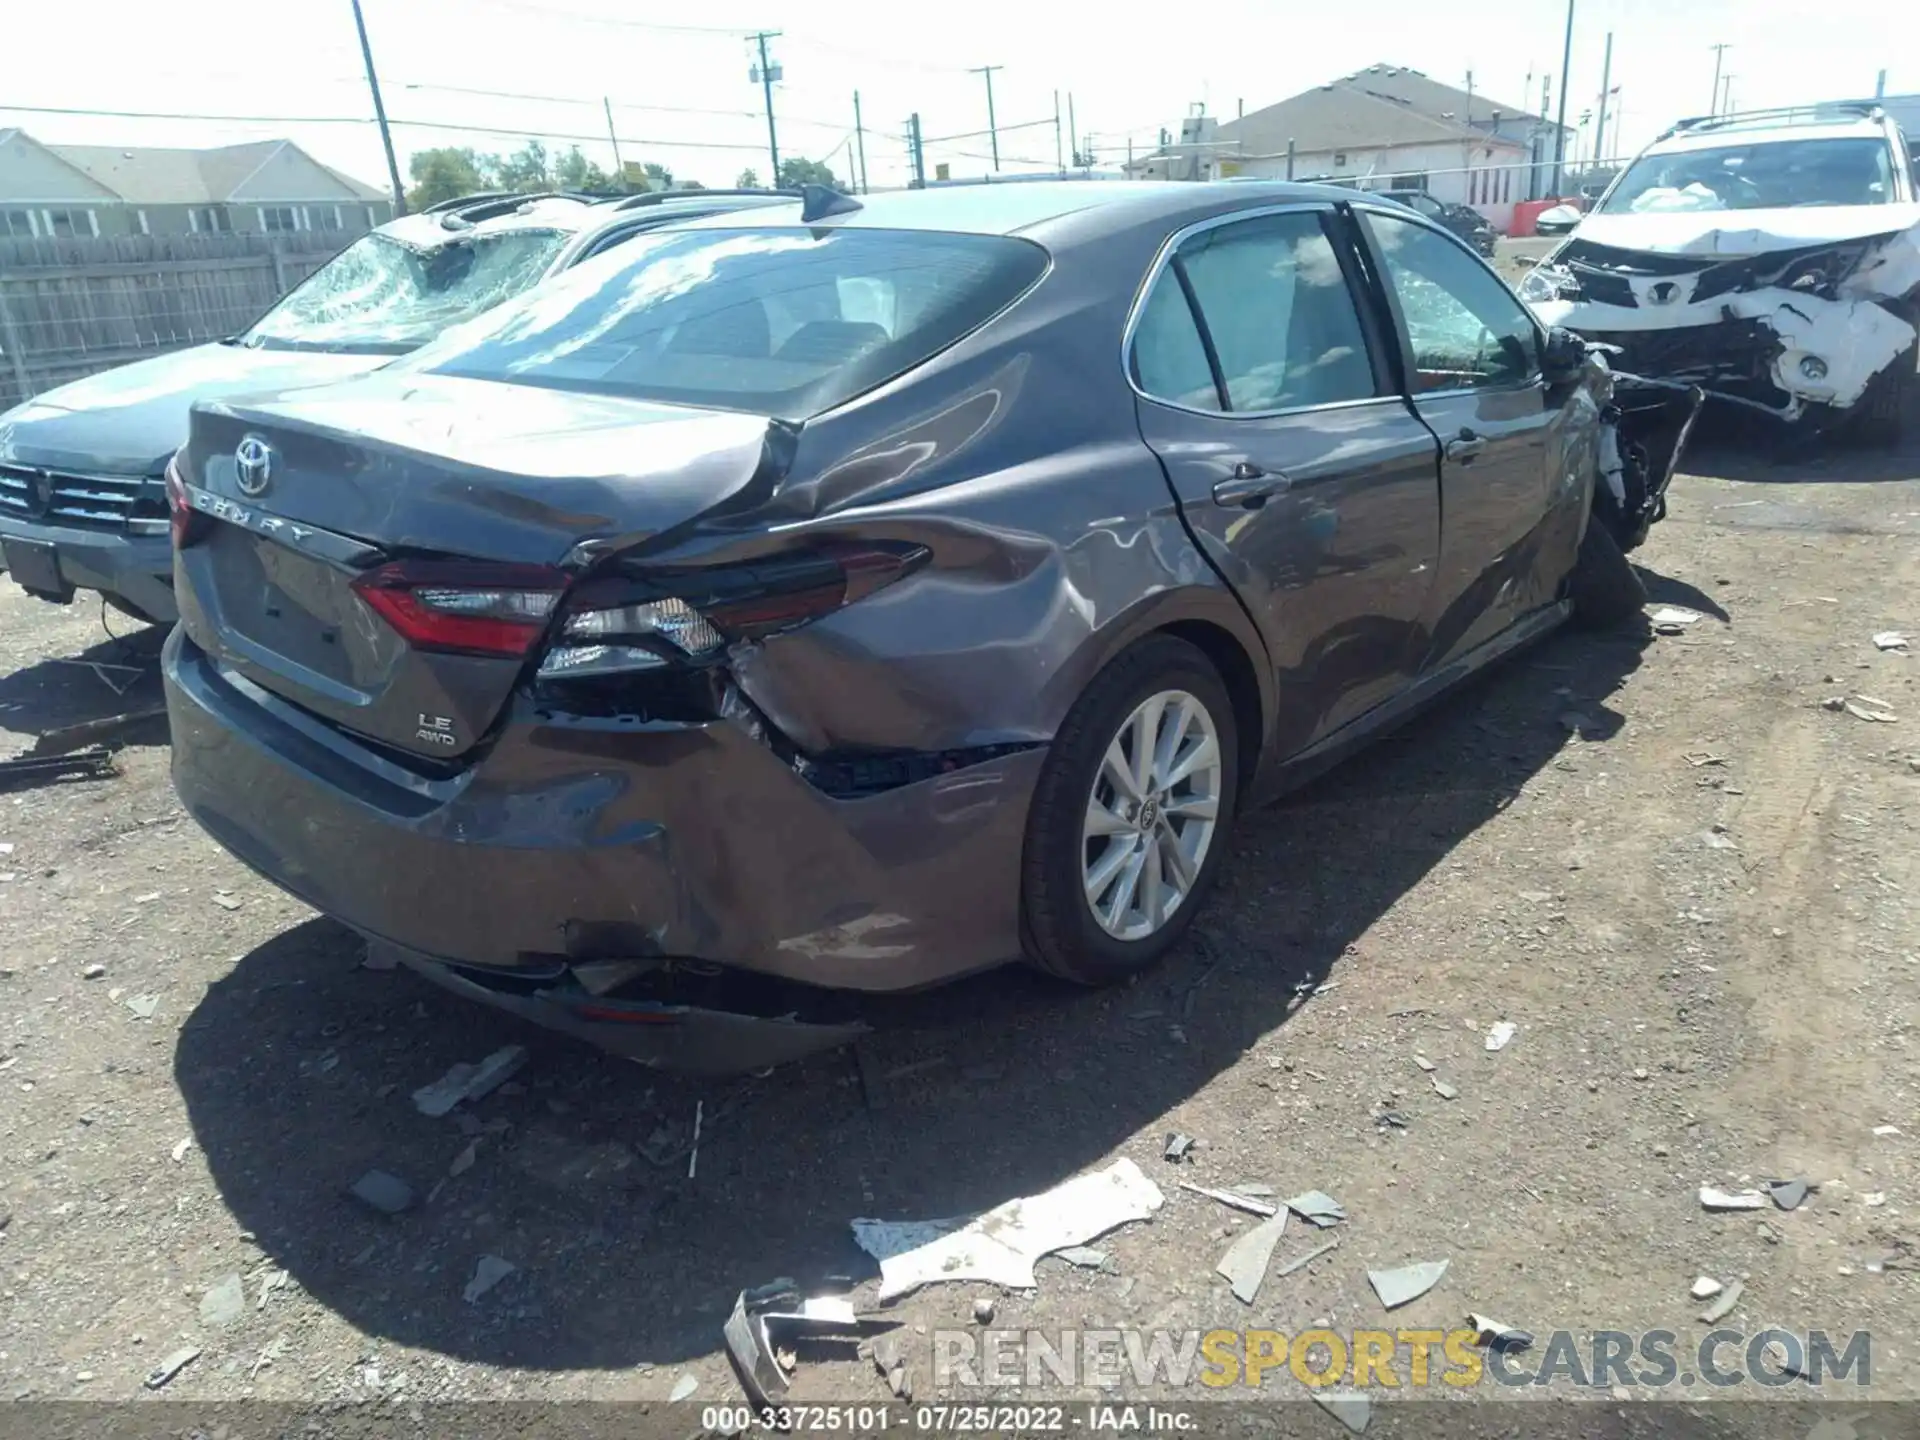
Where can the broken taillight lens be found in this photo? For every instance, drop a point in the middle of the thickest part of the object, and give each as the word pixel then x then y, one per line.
pixel 464 608
pixel 185 523
pixel 624 625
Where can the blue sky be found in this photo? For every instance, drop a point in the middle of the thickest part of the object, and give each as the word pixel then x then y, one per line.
pixel 678 74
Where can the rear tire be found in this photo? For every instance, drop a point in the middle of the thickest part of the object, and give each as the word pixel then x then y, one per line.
pixel 1604 588
pixel 1114 870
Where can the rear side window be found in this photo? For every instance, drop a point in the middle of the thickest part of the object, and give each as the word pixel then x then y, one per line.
pixel 785 321
pixel 1275 305
pixel 1169 358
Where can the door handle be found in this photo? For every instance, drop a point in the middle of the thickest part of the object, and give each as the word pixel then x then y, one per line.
pixel 1251 487
pixel 1463 448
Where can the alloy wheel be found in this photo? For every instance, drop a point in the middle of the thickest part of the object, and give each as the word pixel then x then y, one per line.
pixel 1152 814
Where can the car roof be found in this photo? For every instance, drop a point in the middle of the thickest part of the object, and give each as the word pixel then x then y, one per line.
pixel 1762 132
pixel 568 214
pixel 1032 206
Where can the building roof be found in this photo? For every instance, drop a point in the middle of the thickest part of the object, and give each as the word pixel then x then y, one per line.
pixel 1430 97
pixel 152 175
pixel 1338 117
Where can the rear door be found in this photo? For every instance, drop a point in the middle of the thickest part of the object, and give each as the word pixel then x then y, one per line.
pixel 1306 481
pixel 1472 356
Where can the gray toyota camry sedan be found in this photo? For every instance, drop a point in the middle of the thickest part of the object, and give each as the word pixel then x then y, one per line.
pixel 866 592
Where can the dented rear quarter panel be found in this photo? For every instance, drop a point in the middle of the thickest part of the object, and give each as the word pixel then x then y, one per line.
pixel 1015 457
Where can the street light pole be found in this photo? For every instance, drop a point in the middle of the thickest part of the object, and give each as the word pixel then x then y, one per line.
pixel 1560 125
pixel 380 113
pixel 993 130
pixel 1719 55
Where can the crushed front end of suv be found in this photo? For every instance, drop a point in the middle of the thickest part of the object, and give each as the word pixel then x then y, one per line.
pixel 1772 259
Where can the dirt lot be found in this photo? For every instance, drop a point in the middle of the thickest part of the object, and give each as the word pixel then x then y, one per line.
pixel 1689 885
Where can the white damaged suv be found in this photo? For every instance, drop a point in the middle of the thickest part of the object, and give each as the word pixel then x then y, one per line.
pixel 1773 258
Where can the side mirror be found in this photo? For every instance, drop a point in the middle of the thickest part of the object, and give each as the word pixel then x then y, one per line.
pixel 1565 360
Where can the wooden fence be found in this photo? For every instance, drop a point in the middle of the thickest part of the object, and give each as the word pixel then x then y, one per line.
pixel 70 308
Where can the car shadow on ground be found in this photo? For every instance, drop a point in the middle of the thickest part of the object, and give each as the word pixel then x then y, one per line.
pixel 75 700
pixel 298 1065
pixel 1736 447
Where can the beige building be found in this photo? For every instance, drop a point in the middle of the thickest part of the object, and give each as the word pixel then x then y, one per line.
pixel 267 185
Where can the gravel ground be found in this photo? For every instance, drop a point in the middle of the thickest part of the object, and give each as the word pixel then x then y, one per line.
pixel 1687 884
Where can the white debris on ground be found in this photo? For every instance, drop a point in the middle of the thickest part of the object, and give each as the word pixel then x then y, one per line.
pixel 1001 1246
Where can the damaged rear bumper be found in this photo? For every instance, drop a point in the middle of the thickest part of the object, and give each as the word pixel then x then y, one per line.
pixel 578 840
pixel 689 1039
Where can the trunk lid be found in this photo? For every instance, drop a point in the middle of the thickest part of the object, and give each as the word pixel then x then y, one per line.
pixel 477 484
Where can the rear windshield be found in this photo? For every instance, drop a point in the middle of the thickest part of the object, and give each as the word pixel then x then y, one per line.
pixel 785 322
pixel 1767 175
pixel 381 295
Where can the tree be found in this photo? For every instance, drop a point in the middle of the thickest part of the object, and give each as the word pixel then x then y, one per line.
pixel 660 173
pixel 447 174
pixel 796 172
pixel 525 169
pixel 749 179
pixel 574 171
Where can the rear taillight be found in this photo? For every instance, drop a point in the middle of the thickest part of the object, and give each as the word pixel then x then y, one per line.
pixel 184 522
pixel 624 625
pixel 464 608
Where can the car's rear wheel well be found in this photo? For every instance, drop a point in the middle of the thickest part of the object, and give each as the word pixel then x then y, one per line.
pixel 1230 658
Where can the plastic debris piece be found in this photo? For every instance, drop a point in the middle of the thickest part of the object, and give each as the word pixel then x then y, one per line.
pixel 684 1387
pixel 1177 1147
pixel 388 1194
pixel 1496 1336
pixel 1863 712
pixel 171 1366
pixel 224 1303
pixel 1085 1256
pixel 1425 1064
pixel 1397 1287
pixel 1350 1407
pixel 1300 1262
pixel 143 1006
pixel 469 1082
pixel 1672 619
pixel 1788 1194
pixel 488 1271
pixel 1890 640
pixel 1001 1246
pixel 1500 1034
pixel 1318 1207
pixel 1245 1264
pixel 1706 1287
pixel 1444 1090
pixel 1712 1199
pixel 1723 1307
pixel 1228 1197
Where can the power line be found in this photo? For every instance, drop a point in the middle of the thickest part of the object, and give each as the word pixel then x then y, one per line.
pixel 619 104
pixel 548 12
pixel 976 134
pixel 594 138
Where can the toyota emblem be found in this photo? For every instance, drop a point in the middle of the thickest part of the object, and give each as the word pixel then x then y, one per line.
pixel 253 466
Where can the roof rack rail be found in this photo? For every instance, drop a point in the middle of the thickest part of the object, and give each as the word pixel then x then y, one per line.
pixel 472 209
pixel 459 200
pixel 655 197
pixel 1813 113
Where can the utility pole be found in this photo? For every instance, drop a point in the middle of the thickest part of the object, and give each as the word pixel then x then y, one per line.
pixel 1468 121
pixel 859 142
pixel 916 157
pixel 1729 100
pixel 766 72
pixel 993 130
pixel 1059 157
pixel 1606 79
pixel 619 170
pixel 1719 54
pixel 380 113
pixel 1073 134
pixel 1560 125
